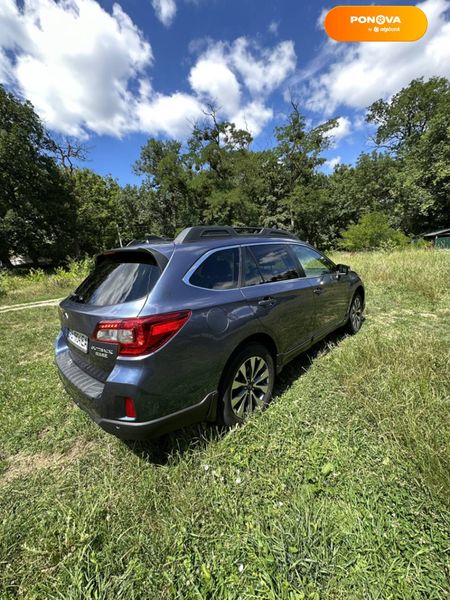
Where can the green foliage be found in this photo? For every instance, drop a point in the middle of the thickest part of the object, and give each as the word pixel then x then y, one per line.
pixel 72 274
pixel 217 177
pixel 414 127
pixel 372 231
pixel 36 214
pixel 97 211
pixel 403 119
pixel 6 284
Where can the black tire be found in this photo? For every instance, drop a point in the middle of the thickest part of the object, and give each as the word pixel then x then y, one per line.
pixel 247 377
pixel 355 315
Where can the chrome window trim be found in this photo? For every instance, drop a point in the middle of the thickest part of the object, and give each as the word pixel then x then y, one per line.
pixel 207 254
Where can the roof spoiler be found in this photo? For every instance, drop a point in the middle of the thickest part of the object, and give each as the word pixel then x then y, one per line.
pixel 131 252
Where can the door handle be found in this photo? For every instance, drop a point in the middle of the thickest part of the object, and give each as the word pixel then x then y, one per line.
pixel 318 290
pixel 267 301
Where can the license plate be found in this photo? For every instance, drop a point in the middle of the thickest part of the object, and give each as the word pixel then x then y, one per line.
pixel 79 340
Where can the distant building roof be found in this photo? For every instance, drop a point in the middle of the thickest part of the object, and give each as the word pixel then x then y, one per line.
pixel 436 233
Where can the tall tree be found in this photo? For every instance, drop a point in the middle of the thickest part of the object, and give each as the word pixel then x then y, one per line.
pixel 298 151
pixel 35 209
pixel 167 176
pixel 97 211
pixel 219 156
pixel 402 120
pixel 414 127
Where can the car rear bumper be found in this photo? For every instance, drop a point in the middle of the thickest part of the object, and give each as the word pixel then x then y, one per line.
pixel 87 392
pixel 131 430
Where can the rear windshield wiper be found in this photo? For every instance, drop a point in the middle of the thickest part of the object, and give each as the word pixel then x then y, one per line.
pixel 77 298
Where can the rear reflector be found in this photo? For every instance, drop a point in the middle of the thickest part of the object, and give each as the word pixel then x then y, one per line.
pixel 142 335
pixel 130 409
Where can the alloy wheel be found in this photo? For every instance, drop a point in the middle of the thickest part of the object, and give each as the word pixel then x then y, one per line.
pixel 249 386
pixel 356 313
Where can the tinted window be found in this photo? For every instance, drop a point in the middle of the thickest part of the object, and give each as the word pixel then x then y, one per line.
pixel 252 275
pixel 275 262
pixel 115 282
pixel 313 263
pixel 220 271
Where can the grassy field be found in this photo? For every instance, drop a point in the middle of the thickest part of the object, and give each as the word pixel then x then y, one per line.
pixel 36 285
pixel 339 490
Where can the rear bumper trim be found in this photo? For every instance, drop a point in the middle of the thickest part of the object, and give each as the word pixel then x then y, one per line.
pixel 127 430
pixel 84 389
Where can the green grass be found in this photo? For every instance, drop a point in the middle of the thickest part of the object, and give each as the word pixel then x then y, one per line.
pixel 35 293
pixel 339 490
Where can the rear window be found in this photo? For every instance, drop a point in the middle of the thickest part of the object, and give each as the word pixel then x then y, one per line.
pixel 220 271
pixel 118 279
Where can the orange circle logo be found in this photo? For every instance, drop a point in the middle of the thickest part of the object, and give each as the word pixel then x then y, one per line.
pixel 375 23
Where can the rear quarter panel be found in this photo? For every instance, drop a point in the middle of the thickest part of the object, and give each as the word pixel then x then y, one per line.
pixel 190 366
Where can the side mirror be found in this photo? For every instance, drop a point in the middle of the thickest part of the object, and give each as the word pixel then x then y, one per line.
pixel 342 270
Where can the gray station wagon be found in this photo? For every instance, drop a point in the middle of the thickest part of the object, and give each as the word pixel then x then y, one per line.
pixel 164 334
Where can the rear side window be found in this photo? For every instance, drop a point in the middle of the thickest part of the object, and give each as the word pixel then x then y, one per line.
pixel 220 271
pixel 275 262
pixel 117 280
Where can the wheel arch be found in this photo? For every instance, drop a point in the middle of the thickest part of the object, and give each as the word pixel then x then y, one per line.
pixel 362 292
pixel 259 338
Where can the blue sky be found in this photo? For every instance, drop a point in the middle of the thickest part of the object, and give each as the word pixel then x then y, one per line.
pixel 115 73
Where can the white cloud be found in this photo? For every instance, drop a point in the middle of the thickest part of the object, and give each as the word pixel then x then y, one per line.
pixel 273 27
pixel 333 162
pixel 341 130
pixel 253 117
pixel 165 10
pixel 262 69
pixel 86 70
pixel 170 115
pixel 212 78
pixel 5 68
pixel 359 121
pixel 74 62
pixel 365 72
pixel 237 78
pixel 321 17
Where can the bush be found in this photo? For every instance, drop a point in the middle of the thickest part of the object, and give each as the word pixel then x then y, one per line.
pixel 372 232
pixel 75 272
pixel 36 276
pixel 4 281
pixel 8 282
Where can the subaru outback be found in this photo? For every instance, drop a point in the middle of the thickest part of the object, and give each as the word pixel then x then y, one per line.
pixel 164 334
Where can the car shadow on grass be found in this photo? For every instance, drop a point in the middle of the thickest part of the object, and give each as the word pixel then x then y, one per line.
pixel 168 448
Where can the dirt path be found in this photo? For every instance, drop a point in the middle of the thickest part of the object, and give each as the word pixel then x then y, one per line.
pixel 12 307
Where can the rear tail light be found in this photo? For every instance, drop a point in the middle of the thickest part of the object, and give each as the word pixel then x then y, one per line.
pixel 130 409
pixel 142 335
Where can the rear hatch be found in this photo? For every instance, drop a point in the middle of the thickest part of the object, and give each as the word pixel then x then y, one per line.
pixel 117 288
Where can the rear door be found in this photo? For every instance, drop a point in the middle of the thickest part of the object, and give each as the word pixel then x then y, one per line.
pixel 330 291
pixel 116 288
pixel 282 299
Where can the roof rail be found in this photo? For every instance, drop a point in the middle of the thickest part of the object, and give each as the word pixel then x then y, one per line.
pixel 265 231
pixel 203 232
